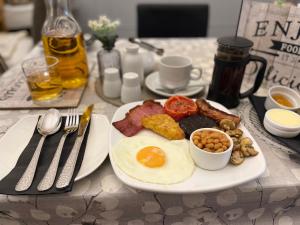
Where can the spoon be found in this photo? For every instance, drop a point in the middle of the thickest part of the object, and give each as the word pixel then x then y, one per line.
pixel 150 47
pixel 48 124
pixel 173 91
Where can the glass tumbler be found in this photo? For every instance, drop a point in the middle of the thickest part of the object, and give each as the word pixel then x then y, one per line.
pixel 43 81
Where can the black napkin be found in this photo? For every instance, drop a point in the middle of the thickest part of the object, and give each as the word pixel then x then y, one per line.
pixel 258 103
pixel 8 183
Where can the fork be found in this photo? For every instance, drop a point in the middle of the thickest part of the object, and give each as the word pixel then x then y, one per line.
pixel 71 125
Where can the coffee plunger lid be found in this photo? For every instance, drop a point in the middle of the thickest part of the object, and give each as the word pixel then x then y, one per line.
pixel 235 42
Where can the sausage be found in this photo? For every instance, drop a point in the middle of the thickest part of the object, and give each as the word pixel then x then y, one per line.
pixel 204 108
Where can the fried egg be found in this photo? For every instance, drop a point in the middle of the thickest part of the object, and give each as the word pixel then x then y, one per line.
pixel 154 160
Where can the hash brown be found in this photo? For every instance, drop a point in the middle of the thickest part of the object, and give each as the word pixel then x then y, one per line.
pixel 163 125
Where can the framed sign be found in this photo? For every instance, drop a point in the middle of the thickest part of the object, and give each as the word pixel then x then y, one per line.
pixel 275 32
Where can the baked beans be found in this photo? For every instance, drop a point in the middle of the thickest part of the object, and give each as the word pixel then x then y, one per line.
pixel 211 141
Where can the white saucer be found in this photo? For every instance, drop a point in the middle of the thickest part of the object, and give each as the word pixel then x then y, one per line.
pixel 153 84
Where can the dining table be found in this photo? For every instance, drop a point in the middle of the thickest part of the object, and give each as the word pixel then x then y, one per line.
pixel 102 199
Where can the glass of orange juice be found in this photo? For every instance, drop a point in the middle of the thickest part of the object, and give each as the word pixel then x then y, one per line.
pixel 43 81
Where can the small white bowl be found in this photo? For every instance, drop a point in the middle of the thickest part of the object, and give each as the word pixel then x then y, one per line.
pixel 278 129
pixel 289 93
pixel 209 160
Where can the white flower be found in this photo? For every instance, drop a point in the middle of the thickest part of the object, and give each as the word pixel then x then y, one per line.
pixel 103 26
pixel 103 19
pixel 116 23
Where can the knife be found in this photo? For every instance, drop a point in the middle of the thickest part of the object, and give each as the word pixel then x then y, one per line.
pixel 66 174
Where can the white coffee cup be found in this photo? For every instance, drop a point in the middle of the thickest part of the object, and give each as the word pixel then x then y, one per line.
pixel 176 72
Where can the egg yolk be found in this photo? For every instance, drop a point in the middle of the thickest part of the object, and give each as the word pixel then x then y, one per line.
pixel 151 156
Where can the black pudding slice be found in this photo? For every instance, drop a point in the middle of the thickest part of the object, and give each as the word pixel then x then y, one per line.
pixel 194 122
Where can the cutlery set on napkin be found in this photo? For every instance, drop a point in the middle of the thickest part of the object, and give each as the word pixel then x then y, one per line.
pixel 53 156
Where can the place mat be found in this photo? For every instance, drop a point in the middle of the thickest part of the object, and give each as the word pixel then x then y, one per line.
pixel 258 103
pixel 146 94
pixel 14 94
pixel 8 183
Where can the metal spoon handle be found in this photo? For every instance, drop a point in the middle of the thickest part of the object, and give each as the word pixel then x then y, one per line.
pixel 173 91
pixel 50 175
pixel 67 172
pixel 25 182
pixel 146 45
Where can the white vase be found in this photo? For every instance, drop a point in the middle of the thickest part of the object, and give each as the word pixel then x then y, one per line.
pixel 108 59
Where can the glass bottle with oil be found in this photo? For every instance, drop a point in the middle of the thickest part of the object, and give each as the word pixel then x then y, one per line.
pixel 62 37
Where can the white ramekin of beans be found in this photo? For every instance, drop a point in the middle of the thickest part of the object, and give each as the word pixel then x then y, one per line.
pixel 210 148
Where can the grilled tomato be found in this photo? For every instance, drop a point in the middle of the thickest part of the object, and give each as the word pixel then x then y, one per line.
pixel 179 107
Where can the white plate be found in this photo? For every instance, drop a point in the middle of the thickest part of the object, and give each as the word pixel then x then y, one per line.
pixel 152 83
pixel 201 180
pixel 95 153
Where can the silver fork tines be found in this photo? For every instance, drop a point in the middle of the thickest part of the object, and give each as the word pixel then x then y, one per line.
pixel 71 125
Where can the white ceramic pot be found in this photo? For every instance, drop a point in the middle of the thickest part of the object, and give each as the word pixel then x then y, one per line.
pixel 209 160
pixel 278 129
pixel 289 93
pixel 133 62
